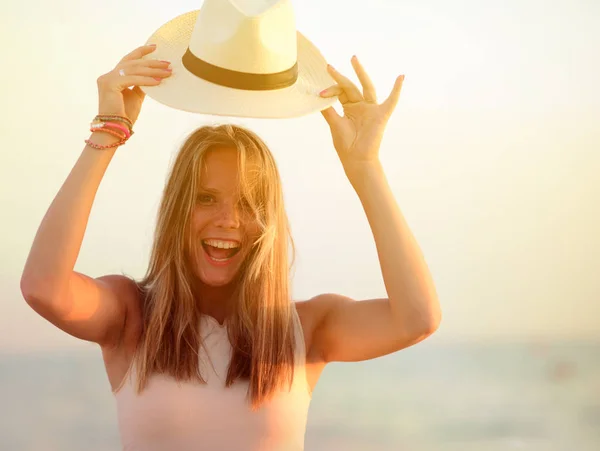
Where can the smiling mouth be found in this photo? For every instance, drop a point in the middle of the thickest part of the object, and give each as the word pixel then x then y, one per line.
pixel 218 253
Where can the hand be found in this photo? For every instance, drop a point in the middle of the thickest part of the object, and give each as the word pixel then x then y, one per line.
pixel 115 95
pixel 358 134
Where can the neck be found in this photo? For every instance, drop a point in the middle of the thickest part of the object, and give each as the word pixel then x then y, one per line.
pixel 215 301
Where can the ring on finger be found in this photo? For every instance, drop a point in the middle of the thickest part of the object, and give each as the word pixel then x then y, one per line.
pixel 122 72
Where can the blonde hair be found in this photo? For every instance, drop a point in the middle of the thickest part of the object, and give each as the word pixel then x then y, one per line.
pixel 260 327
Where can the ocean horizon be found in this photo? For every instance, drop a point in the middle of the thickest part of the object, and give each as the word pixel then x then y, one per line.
pixel 431 397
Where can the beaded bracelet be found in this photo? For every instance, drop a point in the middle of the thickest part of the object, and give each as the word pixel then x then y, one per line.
pixel 122 138
pixel 104 146
pixel 114 117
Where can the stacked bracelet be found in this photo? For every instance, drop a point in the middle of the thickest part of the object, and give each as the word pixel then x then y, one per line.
pixel 97 125
pixel 114 125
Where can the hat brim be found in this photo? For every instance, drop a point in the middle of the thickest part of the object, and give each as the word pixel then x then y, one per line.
pixel 187 92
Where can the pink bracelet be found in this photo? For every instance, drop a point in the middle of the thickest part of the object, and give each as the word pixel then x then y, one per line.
pixel 112 125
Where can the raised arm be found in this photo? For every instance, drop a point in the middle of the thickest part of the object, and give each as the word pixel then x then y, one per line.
pixel 344 330
pixel 87 308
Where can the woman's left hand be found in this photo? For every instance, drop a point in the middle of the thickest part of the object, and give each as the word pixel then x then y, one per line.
pixel 357 135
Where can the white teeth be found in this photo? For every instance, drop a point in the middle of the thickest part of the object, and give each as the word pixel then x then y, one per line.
pixel 220 260
pixel 222 244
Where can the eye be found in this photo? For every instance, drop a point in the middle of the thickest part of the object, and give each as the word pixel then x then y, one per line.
pixel 206 199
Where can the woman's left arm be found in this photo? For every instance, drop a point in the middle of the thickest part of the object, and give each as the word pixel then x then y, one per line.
pixel 346 330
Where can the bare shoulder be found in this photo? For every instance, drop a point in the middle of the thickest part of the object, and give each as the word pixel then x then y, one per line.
pixel 119 283
pixel 314 309
pixel 125 288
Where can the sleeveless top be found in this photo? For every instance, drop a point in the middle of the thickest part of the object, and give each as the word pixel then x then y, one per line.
pixel 191 416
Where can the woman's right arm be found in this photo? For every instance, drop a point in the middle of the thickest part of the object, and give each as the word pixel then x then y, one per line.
pixel 87 308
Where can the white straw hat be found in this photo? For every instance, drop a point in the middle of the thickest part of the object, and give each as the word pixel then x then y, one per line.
pixel 240 58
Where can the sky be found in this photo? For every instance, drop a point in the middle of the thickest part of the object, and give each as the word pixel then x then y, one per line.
pixel 493 155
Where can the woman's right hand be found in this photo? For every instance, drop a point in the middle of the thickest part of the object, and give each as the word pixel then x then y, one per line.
pixel 114 94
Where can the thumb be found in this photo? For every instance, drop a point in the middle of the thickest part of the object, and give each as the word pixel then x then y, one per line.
pixel 139 92
pixel 390 103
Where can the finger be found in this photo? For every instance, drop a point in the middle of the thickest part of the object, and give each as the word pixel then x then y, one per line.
pixel 390 103
pixel 350 90
pixel 136 80
pixel 331 116
pixel 332 91
pixel 155 64
pixel 368 87
pixel 143 70
pixel 139 52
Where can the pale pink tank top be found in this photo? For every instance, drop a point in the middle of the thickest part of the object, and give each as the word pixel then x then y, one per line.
pixel 185 416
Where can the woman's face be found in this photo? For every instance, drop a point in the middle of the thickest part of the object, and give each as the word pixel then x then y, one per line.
pixel 223 228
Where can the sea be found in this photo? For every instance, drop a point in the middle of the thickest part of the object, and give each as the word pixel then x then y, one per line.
pixel 430 397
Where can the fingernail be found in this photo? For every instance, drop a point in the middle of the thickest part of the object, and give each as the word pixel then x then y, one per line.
pixel 152 45
pixel 354 57
pixel 157 78
pixel 322 92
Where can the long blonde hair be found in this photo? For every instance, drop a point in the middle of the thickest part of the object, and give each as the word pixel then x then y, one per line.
pixel 260 327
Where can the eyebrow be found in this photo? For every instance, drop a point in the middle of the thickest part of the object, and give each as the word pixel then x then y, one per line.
pixel 209 190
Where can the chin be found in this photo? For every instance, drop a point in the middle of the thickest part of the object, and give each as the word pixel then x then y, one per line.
pixel 215 282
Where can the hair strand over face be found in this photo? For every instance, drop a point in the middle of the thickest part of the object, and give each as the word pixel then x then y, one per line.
pixel 260 326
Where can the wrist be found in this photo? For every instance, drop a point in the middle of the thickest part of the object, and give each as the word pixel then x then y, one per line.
pixel 109 131
pixel 361 172
pixel 103 141
pixel 104 138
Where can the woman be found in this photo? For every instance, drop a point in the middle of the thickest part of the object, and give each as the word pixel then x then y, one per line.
pixel 208 351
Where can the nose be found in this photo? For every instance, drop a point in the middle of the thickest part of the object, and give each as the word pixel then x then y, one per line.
pixel 228 216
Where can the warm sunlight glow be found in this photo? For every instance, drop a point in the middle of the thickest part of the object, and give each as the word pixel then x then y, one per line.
pixel 492 155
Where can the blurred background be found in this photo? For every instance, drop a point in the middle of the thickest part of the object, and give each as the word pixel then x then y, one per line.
pixel 493 154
